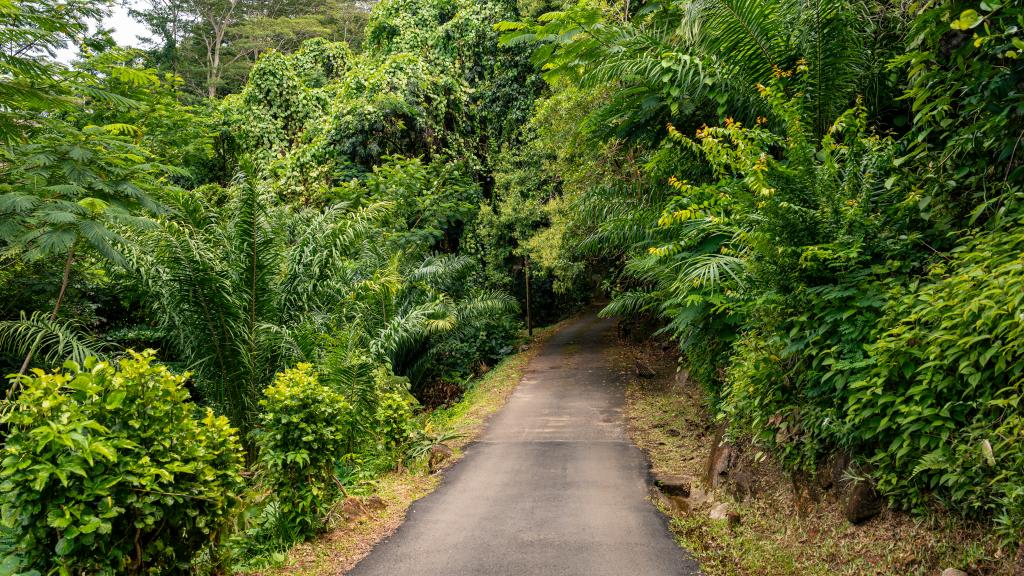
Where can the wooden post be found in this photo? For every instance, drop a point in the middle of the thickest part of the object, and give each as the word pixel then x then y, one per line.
pixel 529 319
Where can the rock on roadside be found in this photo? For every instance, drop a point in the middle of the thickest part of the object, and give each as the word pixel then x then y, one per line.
pixel 673 485
pixel 439 454
pixel 719 511
pixel 863 503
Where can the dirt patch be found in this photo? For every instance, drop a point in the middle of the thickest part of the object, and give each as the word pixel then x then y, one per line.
pixel 337 551
pixel 775 526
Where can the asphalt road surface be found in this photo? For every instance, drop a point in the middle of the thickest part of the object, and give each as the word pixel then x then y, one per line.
pixel 554 487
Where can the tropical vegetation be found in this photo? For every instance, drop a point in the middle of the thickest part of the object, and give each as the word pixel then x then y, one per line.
pixel 241 261
pixel 819 202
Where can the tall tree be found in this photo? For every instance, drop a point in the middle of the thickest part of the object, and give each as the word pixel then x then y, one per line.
pixel 213 43
pixel 216 17
pixel 170 22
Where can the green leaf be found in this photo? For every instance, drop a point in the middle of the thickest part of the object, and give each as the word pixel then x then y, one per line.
pixel 115 399
pixel 968 19
pixel 91 526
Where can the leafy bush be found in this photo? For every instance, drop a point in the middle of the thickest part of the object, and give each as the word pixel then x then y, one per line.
pixel 429 201
pixel 963 77
pixel 942 404
pixel 394 418
pixel 482 341
pixel 382 407
pixel 108 468
pixel 303 433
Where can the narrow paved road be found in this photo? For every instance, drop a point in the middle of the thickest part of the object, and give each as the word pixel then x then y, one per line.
pixel 554 486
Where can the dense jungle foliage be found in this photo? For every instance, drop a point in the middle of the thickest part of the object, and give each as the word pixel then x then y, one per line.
pixel 240 263
pixel 819 200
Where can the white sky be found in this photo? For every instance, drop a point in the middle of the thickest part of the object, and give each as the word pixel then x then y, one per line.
pixel 125 29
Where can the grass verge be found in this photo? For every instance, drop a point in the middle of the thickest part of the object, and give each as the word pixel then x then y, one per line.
pixel 338 550
pixel 771 534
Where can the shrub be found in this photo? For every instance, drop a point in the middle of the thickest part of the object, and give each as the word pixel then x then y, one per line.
pixel 482 340
pixel 393 417
pixel 110 469
pixel 304 432
pixel 788 382
pixel 942 405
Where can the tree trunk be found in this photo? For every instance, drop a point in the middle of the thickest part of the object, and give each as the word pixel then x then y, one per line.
pixel 56 307
pixel 213 74
pixel 219 24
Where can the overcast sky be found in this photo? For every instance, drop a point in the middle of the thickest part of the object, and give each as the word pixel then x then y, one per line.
pixel 126 30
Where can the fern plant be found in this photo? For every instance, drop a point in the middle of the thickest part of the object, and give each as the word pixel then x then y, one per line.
pixel 243 290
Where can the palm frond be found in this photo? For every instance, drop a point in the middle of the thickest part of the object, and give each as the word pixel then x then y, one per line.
pixel 631 304
pixel 835 59
pixel 51 342
pixel 402 335
pixel 444 272
pixel 746 37
pixel 711 270
pixel 490 303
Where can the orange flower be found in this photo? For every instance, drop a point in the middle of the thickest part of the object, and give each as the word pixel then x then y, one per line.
pixel 730 123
